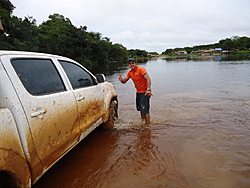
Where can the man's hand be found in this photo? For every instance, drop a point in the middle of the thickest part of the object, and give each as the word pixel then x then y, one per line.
pixel 120 78
pixel 148 93
pixel 123 80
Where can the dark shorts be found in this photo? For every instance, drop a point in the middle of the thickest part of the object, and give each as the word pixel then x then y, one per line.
pixel 142 103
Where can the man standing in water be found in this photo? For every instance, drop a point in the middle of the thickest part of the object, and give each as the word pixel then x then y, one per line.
pixel 142 84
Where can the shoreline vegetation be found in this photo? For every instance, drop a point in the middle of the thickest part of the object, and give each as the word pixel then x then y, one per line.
pixel 204 55
pixel 58 35
pixel 193 56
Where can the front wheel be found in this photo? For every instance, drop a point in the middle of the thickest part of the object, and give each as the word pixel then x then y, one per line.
pixel 113 115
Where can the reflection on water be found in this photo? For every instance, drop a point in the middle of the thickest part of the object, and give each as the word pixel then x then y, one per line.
pixel 199 137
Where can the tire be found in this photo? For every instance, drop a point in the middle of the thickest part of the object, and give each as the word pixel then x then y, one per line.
pixel 6 181
pixel 113 116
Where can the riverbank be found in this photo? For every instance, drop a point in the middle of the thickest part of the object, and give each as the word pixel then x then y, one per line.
pixel 191 56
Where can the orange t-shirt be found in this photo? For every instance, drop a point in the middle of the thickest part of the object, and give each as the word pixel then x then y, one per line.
pixel 137 76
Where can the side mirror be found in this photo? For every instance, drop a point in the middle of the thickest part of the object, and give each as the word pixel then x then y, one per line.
pixel 100 78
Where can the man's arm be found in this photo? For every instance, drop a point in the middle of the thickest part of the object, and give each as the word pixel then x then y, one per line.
pixel 148 92
pixel 146 76
pixel 123 80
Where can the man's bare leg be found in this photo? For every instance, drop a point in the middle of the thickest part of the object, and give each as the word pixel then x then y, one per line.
pixel 147 118
pixel 143 117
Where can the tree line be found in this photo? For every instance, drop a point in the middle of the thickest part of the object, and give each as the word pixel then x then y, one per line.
pixel 232 44
pixel 58 36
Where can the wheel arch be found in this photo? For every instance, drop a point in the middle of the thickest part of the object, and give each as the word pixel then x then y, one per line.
pixel 14 169
pixel 108 102
pixel 7 180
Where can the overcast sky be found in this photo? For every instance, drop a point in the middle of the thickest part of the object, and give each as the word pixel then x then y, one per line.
pixel 149 25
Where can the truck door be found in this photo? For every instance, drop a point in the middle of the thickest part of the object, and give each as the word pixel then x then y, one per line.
pixel 89 96
pixel 49 105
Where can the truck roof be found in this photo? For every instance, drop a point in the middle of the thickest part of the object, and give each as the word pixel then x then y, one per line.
pixel 9 52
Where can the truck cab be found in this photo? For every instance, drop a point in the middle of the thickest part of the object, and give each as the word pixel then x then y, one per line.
pixel 48 104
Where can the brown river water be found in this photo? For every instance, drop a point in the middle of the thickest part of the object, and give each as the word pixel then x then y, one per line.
pixel 199 134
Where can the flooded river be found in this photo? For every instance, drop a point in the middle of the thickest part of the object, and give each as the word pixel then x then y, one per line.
pixel 199 134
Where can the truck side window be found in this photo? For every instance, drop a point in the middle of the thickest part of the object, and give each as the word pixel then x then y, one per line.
pixel 39 76
pixel 77 76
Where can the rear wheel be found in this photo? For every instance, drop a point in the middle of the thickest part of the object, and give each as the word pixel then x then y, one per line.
pixel 113 116
pixel 6 181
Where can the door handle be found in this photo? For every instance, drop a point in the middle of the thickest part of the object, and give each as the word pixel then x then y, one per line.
pixel 80 98
pixel 38 112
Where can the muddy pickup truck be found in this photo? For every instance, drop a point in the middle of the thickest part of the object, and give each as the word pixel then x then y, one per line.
pixel 48 104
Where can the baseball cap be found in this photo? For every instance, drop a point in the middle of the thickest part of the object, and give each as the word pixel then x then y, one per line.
pixel 131 59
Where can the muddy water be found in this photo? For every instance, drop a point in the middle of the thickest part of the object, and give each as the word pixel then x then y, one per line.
pixel 199 136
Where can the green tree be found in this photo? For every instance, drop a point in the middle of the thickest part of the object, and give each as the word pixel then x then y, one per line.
pixel 6 9
pixel 118 53
pixel 81 33
pixel 58 36
pixel 24 33
pixel 227 44
pixel 242 43
pixel 19 34
pixel 138 53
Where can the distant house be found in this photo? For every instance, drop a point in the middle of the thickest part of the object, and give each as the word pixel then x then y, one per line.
pixel 218 49
pixel 180 53
pixel 215 51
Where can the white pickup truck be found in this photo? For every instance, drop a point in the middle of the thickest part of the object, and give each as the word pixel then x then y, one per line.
pixel 48 104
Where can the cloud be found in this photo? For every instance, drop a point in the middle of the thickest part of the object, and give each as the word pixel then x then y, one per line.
pixel 149 25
